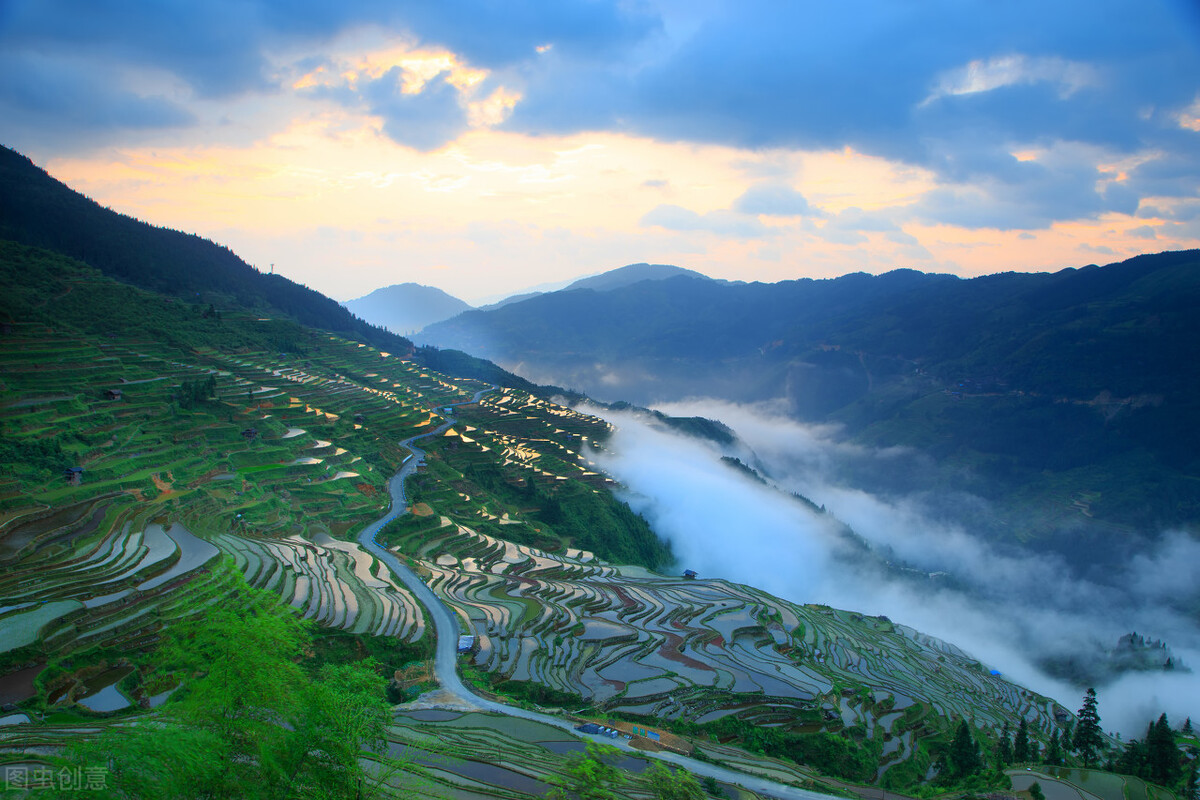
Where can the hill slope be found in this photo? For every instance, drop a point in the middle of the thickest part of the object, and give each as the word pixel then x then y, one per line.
pixel 1081 374
pixel 37 210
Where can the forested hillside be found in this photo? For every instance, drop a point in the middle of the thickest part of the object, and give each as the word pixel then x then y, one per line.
pixel 1047 388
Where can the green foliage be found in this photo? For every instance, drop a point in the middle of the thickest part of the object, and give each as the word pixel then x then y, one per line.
pixel 831 754
pixel 1088 735
pixel 249 722
pixel 1035 791
pixel 196 391
pixel 963 758
pixel 1021 745
pixel 673 784
pixel 589 775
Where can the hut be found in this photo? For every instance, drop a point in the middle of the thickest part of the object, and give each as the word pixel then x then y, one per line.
pixel 73 475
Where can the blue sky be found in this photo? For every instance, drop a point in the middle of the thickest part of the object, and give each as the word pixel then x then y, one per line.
pixel 488 146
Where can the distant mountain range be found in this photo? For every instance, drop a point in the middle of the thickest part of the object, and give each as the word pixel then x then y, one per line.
pixel 1074 393
pixel 406 307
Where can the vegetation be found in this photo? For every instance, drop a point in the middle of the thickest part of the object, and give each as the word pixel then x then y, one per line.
pixel 37 210
pixel 250 720
pixel 1049 388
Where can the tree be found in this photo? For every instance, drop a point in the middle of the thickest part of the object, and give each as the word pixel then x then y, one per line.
pixel 670 784
pixel 1035 791
pixel 1191 791
pixel 1054 751
pixel 713 787
pixel 1088 736
pixel 1162 755
pixel 1186 730
pixel 248 720
pixel 589 775
pixel 963 758
pixel 1004 748
pixel 1021 751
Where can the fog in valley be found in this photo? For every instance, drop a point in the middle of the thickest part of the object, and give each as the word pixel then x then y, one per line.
pixel 924 563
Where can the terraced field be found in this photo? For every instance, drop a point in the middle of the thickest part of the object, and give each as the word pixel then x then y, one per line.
pixel 264 475
pixel 628 640
pixel 196 461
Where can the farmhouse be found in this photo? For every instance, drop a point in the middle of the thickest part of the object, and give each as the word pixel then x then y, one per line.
pixel 465 643
pixel 113 394
pixel 689 574
pixel 73 475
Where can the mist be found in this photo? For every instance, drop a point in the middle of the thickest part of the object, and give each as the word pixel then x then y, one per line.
pixel 1008 605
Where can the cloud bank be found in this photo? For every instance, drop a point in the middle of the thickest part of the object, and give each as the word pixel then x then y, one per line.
pixel 1009 607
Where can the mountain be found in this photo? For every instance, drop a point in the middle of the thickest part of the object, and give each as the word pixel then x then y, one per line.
pixel 406 307
pixel 37 210
pixel 1059 393
pixel 158 458
pixel 604 281
pixel 631 274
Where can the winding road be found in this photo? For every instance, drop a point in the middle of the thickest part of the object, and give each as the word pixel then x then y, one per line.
pixel 446 628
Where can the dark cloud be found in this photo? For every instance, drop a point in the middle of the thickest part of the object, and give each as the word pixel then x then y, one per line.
pixel 953 87
pixel 425 120
pixel 43 102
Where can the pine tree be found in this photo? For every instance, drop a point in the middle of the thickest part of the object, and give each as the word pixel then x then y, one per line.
pixel 1186 730
pixel 1054 751
pixel 1021 746
pixel 1088 736
pixel 964 759
pixel 1004 748
pixel 1162 756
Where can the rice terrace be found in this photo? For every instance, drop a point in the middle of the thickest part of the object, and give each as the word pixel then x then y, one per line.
pixel 252 546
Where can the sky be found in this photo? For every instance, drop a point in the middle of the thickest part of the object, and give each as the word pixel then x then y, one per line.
pixel 484 147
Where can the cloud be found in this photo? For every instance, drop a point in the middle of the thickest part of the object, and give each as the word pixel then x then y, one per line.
pixel 723 223
pixel 423 120
pixel 1005 605
pixel 773 199
pixel 48 100
pixel 995 73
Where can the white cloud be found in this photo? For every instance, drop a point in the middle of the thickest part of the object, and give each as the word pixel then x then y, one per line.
pixel 1011 70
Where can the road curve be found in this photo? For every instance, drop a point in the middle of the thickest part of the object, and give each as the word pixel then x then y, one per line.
pixel 446 628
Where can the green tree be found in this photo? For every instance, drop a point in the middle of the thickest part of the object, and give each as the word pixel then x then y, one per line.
pixel 963 758
pixel 1054 751
pixel 713 787
pixel 1088 736
pixel 589 775
pixel 1035 791
pixel 1021 752
pixel 1191 791
pixel 668 784
pixel 1004 748
pixel 1162 755
pixel 248 720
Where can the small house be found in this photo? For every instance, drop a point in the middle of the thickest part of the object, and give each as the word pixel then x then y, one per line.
pixel 465 643
pixel 250 434
pixel 690 574
pixel 73 475
pixel 113 394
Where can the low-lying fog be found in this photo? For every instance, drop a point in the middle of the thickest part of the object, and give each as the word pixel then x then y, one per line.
pixel 1008 607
